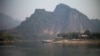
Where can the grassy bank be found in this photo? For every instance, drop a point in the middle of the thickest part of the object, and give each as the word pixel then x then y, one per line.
pixel 78 41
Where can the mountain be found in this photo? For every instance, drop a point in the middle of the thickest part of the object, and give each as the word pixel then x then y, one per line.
pixel 96 22
pixel 63 19
pixel 6 22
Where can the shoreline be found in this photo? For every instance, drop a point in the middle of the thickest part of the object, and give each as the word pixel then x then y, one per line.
pixel 77 41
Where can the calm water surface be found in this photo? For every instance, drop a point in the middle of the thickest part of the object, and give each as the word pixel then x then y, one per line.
pixel 49 49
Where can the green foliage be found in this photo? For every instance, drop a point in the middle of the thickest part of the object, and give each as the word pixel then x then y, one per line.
pixel 68 35
pixel 5 36
pixel 95 35
pixel 87 32
pixel 75 35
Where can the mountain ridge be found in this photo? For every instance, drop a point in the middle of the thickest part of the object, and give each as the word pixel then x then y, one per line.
pixel 63 19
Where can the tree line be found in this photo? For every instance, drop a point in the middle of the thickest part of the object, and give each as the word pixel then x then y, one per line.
pixel 77 35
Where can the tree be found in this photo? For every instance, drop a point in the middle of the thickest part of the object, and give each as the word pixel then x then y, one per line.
pixel 63 35
pixel 87 32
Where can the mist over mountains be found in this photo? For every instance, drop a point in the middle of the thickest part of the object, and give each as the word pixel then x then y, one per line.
pixel 63 19
pixel 7 22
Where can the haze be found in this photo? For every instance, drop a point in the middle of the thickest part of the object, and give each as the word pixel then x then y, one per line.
pixel 20 9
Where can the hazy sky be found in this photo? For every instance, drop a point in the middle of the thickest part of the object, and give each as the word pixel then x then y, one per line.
pixel 20 9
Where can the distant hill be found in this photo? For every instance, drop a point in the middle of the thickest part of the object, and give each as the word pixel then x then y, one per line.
pixel 63 19
pixel 6 22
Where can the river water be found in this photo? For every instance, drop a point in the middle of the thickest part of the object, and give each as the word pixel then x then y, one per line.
pixel 49 49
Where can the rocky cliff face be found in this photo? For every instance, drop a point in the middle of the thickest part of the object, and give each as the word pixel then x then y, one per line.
pixel 63 19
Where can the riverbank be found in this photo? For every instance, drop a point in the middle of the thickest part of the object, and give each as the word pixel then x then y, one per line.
pixel 78 41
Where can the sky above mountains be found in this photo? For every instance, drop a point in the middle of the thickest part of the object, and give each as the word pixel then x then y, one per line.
pixel 20 9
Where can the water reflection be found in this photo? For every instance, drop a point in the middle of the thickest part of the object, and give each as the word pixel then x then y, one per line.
pixel 10 51
pixel 49 49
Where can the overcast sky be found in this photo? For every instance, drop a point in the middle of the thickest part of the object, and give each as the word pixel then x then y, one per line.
pixel 20 9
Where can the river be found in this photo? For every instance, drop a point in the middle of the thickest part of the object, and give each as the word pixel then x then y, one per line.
pixel 49 49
